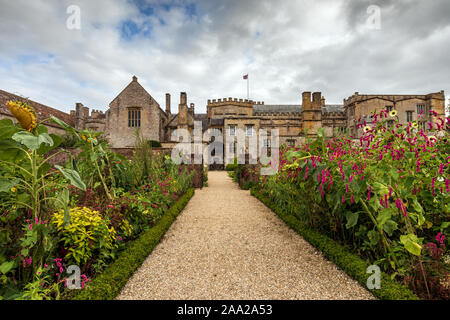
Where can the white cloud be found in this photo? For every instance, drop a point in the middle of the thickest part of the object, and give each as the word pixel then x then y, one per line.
pixel 204 48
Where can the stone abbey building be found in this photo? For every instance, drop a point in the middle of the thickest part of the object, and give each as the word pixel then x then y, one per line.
pixel 134 108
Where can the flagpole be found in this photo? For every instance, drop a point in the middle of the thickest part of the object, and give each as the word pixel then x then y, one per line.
pixel 248 79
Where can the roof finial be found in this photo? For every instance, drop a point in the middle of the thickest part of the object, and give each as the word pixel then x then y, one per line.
pixel 134 78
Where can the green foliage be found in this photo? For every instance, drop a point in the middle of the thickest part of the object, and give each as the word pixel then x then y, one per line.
pixel 85 237
pixel 108 284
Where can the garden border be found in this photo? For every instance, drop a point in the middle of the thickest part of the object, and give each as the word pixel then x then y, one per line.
pixel 108 284
pixel 352 264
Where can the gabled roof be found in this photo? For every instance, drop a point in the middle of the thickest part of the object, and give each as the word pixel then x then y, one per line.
pixel 133 85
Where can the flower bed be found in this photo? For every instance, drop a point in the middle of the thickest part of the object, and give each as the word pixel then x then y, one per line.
pixel 57 220
pixel 109 283
pixel 385 197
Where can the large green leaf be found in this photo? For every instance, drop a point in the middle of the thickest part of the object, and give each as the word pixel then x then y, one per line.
pixel 352 219
pixel 73 176
pixel 7 128
pixel 411 244
pixel 10 150
pixel 7 184
pixel 45 148
pixel 5 267
pixel 31 141
pixel 64 125
pixel 389 227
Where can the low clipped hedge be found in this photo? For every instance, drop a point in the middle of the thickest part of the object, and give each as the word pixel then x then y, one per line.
pixel 231 167
pixel 108 284
pixel 352 264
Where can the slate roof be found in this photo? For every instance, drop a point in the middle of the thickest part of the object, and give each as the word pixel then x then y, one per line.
pixel 275 108
pixel 333 108
pixel 293 108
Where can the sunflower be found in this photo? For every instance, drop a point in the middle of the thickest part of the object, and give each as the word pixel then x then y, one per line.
pixel 415 125
pixel 366 129
pixel 24 114
pixel 393 113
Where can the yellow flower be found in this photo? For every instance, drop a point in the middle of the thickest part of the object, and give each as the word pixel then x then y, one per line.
pixel 13 189
pixel 83 137
pixel 432 138
pixel 393 113
pixel 24 114
pixel 366 129
pixel 415 125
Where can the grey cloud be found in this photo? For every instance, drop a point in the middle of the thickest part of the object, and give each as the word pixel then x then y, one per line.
pixel 286 47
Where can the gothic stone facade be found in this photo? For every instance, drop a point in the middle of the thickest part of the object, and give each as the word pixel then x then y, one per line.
pixel 358 108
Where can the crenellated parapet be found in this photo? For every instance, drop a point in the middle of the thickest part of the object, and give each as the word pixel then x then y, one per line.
pixel 357 97
pixel 333 115
pixel 233 101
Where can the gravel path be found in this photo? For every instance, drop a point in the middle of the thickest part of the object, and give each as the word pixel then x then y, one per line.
pixel 228 245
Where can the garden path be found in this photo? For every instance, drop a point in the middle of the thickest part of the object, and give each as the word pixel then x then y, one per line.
pixel 228 245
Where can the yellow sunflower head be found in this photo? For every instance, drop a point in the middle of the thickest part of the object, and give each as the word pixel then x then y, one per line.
pixel 366 129
pixel 415 125
pixel 24 114
pixel 393 113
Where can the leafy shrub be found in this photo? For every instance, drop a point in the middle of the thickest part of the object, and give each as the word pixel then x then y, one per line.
pixel 108 284
pixel 85 237
pixel 231 167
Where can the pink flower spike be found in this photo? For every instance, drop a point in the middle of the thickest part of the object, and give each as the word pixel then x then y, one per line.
pixel 343 199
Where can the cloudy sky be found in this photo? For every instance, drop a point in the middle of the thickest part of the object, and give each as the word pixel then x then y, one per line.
pixel 205 47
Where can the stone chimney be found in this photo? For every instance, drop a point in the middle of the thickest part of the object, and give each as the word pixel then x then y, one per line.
pixel 312 112
pixel 323 102
pixel 306 100
pixel 317 100
pixel 134 79
pixel 183 111
pixel 168 104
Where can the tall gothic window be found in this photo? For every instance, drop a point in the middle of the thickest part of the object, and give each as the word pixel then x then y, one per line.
pixel 134 118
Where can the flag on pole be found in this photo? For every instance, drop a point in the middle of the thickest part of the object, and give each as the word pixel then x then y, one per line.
pixel 246 77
